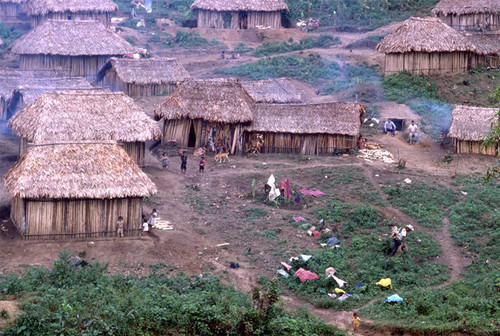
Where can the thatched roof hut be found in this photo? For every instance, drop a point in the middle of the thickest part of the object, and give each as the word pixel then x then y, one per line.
pixel 487 53
pixel 478 15
pixel 42 10
pixel 75 190
pixel 9 10
pixel 86 115
pixel 425 46
pixel 469 127
pixel 143 77
pixel 306 128
pixel 274 90
pixel 243 14
pixel 80 47
pixel 204 110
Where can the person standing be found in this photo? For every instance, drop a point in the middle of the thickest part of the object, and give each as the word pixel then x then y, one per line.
pixel 145 225
pixel 203 163
pixel 152 218
pixel 413 132
pixel 356 321
pixel 399 238
pixel 184 160
pixel 164 161
pixel 360 142
pixel 120 223
pixel 389 126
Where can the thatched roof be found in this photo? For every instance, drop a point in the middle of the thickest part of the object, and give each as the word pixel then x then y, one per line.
pixel 72 38
pixel 471 123
pixel 485 43
pixel 81 170
pixel 240 5
pixel 146 71
pixel 461 7
pixel 84 115
pixel 211 100
pixel 12 1
pixel 424 35
pixel 42 7
pixel 275 90
pixel 326 118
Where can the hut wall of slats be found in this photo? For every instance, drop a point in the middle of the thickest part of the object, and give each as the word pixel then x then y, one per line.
pixel 471 147
pixel 305 144
pixel 86 218
pixel 77 66
pixel 9 11
pixel 194 133
pixel 419 63
pixel 105 18
pixel 113 81
pixel 215 19
pixel 136 150
pixel 473 21
pixel 484 61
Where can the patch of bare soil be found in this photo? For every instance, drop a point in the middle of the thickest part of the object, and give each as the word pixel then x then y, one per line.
pixel 11 308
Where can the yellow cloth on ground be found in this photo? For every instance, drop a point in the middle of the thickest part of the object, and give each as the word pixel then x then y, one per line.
pixel 339 291
pixel 385 282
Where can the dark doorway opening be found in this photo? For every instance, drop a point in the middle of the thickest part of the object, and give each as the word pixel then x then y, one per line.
pixel 192 136
pixel 400 123
pixel 243 20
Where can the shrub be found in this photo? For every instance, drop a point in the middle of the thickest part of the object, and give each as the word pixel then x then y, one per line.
pixel 8 35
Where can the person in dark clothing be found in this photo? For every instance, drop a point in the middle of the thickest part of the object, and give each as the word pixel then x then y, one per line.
pixel 202 164
pixel 184 160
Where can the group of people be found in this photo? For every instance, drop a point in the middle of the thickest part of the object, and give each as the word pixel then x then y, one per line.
pixel 201 164
pixel 234 55
pixel 390 127
pixel 147 224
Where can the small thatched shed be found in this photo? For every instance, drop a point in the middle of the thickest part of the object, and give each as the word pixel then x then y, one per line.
pixel 42 10
pixel 86 115
pixel 205 112
pixel 309 129
pixel 273 91
pixel 425 46
pixel 80 47
pixel 477 15
pixel 76 190
pixel 143 77
pixel 239 14
pixel 9 10
pixel 487 53
pixel 469 126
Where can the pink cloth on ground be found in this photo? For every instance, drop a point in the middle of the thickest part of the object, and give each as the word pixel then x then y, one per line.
pixel 286 265
pixel 315 193
pixel 305 275
pixel 299 219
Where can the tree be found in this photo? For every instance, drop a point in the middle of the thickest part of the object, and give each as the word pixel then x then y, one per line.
pixel 492 140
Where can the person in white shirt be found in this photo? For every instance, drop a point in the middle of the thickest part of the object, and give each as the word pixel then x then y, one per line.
pixel 413 132
pixel 399 238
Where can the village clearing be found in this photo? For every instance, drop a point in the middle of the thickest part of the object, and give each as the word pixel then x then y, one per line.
pixel 214 220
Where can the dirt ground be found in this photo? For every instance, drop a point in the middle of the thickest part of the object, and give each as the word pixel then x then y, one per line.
pixel 203 220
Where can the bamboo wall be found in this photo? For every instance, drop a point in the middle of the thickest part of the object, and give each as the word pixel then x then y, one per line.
pixel 136 150
pixel 78 66
pixel 426 63
pixel 105 18
pixel 180 129
pixel 112 80
pixel 306 144
pixel 471 147
pixel 23 145
pixel 214 19
pixel 9 12
pixel 66 219
pixel 484 61
pixel 475 22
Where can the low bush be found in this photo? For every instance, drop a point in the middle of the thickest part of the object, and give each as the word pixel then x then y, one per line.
pixel 404 86
pixel 8 35
pixel 370 41
pixel 271 48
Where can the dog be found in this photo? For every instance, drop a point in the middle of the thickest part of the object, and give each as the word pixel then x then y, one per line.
pixel 222 157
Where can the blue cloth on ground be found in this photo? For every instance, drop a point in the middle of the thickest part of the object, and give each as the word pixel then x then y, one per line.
pixel 283 273
pixel 360 284
pixel 305 257
pixel 332 241
pixel 394 298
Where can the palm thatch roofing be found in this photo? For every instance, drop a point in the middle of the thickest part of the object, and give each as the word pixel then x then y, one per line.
pixel 485 43
pixel 461 7
pixel 471 123
pixel 42 7
pixel 325 118
pixel 240 5
pixel 146 71
pixel 212 100
pixel 72 38
pixel 424 35
pixel 274 90
pixel 77 171
pixel 84 115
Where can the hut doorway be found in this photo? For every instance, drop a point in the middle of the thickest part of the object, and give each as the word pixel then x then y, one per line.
pixel 400 123
pixel 243 20
pixel 192 136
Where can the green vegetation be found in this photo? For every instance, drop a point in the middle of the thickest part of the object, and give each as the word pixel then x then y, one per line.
pixel 8 35
pixel 350 14
pixel 242 48
pixel 493 139
pixel 271 48
pixel 370 41
pixel 352 76
pixel 75 298
pixel 183 39
pixel 177 10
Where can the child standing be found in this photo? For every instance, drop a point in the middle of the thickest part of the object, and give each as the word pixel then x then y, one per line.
pixel 120 223
pixel 356 321
pixel 184 160
pixel 164 161
pixel 202 164
pixel 152 218
pixel 145 225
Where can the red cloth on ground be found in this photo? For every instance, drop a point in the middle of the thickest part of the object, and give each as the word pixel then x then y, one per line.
pixel 305 275
pixel 316 234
